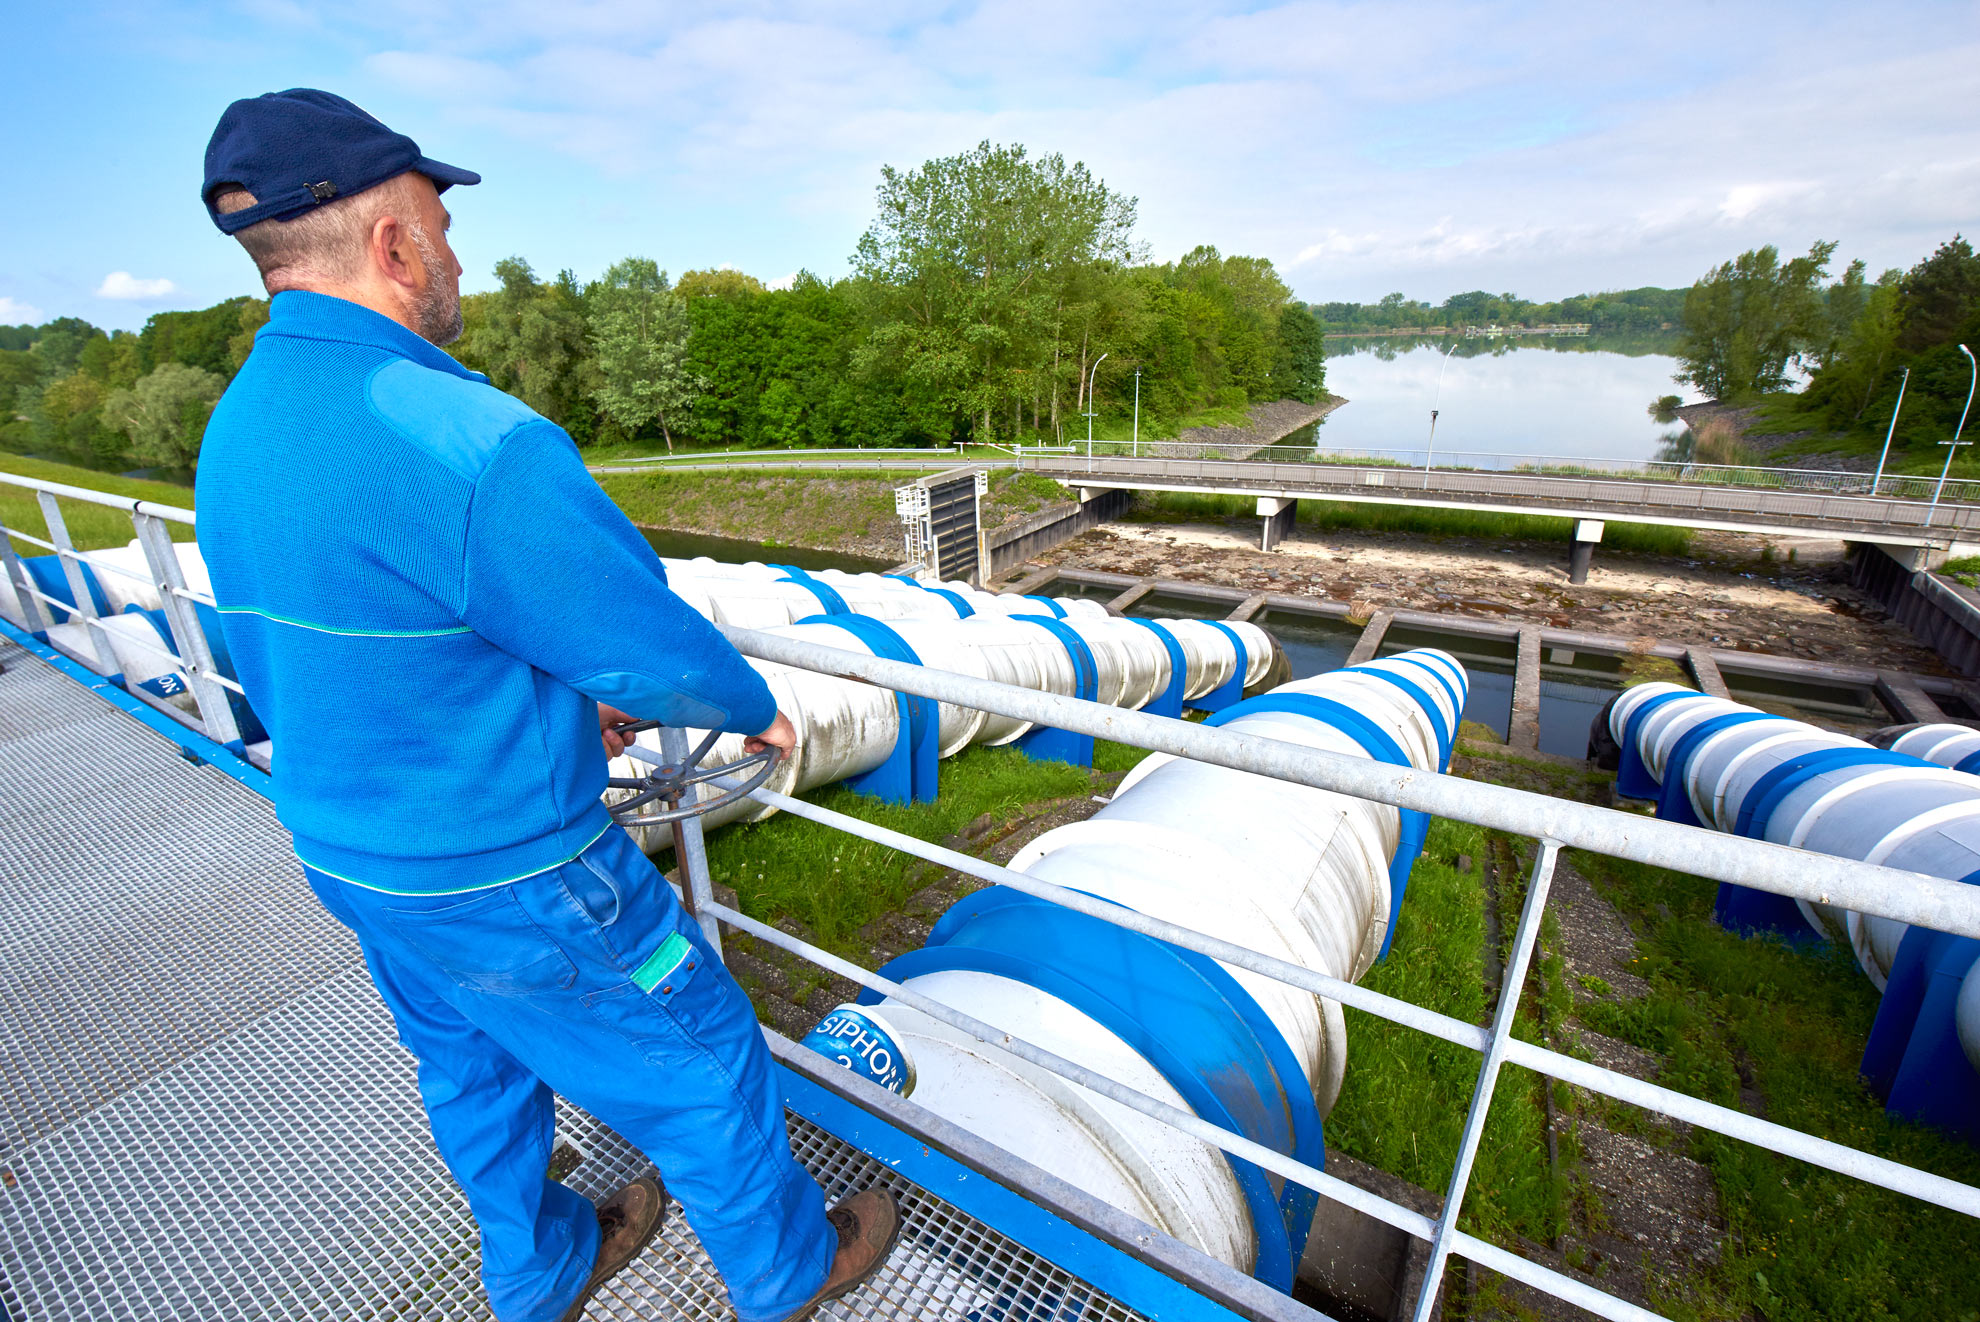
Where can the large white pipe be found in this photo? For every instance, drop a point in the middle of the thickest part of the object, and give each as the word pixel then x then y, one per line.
pixel 1298 873
pixel 1875 807
pixel 1956 746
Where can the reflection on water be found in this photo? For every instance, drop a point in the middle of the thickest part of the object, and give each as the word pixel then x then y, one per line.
pixel 1846 708
pixel 1556 396
pixel 1164 606
pixel 737 550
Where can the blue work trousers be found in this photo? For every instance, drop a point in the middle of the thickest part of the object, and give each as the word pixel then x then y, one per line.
pixel 590 980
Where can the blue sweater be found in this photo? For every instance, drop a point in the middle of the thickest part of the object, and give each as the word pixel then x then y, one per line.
pixel 426 596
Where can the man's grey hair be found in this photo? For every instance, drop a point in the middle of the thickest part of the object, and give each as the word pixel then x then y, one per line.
pixel 326 245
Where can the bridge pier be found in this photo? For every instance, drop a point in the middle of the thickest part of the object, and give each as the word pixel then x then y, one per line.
pixel 1581 555
pixel 1278 512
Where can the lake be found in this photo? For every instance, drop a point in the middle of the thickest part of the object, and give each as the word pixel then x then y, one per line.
pixel 1559 396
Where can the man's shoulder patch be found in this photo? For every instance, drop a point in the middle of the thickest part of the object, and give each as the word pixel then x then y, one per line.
pixel 460 423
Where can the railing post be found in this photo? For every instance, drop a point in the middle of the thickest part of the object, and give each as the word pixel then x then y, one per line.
pixel 1488 1073
pixel 85 609
pixel 195 654
pixel 32 615
pixel 690 851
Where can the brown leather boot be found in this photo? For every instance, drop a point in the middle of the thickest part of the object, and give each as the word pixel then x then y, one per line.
pixel 868 1224
pixel 627 1223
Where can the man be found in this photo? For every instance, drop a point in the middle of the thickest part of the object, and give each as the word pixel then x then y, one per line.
pixel 437 614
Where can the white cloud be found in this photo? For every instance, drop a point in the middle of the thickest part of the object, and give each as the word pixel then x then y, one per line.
pixel 134 289
pixel 782 282
pixel 13 312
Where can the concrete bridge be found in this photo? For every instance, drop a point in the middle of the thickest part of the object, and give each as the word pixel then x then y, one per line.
pixel 1914 530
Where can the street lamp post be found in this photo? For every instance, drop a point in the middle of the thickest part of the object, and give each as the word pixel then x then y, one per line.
pixel 1879 479
pixel 1430 451
pixel 1091 408
pixel 1137 413
pixel 1952 446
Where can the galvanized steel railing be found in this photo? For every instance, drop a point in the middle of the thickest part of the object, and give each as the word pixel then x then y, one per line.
pixel 1832 481
pixel 1553 823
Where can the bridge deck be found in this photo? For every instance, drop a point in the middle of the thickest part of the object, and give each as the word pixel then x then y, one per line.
pixel 1777 512
pixel 204 1113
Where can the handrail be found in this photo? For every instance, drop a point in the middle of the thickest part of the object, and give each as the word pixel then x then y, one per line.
pixel 1909 897
pixel 130 504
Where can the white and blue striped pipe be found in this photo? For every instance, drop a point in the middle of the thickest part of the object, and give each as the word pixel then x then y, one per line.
pixel 1298 873
pixel 1896 808
pixel 844 728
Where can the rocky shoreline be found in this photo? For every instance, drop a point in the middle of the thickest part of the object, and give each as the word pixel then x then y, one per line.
pixel 1738 418
pixel 1270 424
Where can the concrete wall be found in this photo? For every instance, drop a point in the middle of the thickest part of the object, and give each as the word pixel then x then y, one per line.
pixel 1941 613
pixel 1050 526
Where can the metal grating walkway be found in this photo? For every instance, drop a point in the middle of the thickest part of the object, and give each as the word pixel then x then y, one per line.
pixel 204 1113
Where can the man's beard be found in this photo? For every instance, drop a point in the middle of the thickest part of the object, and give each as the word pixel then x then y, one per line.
pixel 437 308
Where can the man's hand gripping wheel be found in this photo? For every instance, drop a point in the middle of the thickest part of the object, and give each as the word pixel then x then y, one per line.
pixel 672 785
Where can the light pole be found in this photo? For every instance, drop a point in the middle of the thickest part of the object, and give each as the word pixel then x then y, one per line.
pixel 1090 409
pixel 1430 451
pixel 1952 446
pixel 1878 480
pixel 1137 413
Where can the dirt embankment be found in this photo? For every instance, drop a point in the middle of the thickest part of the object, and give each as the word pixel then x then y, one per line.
pixel 1738 419
pixel 1269 424
pixel 1722 596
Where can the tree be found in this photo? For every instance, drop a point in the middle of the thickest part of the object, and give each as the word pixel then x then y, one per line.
pixel 529 338
pixel 722 282
pixel 197 339
pixel 639 335
pixel 970 270
pixel 1748 319
pixel 1301 370
pixel 165 413
pixel 1938 296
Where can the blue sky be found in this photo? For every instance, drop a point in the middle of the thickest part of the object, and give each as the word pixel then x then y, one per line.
pixel 1431 147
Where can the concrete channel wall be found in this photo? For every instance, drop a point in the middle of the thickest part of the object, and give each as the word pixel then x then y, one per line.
pixel 1941 613
pixel 1018 542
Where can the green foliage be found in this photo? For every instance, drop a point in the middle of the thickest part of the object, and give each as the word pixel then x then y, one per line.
pixel 639 335
pixel 202 339
pixel 164 414
pixel 1748 319
pixel 529 338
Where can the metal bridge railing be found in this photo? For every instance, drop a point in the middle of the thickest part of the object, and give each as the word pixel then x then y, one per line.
pixel 1595 495
pixel 1554 824
pixel 149 521
pixel 1838 482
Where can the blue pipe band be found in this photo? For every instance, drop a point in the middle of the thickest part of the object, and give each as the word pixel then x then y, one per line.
pixel 1170 701
pixel 1784 779
pixel 1969 764
pixel 912 770
pixel 1181 1012
pixel 1413 825
pixel 1231 690
pixel 1456 694
pixel 956 599
pixel 1674 801
pixel 1633 778
pixel 1044 743
pixel 1058 611
pixel 46 572
pixel 829 599
pixel 1446 735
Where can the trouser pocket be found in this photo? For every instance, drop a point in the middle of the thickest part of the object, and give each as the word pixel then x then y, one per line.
pixel 486 942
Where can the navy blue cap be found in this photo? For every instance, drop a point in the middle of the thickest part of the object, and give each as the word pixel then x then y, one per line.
pixel 298 149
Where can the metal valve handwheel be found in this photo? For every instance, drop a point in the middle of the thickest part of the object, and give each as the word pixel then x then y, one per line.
pixel 670 783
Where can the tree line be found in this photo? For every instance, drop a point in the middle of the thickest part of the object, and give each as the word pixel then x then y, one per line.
pixel 1625 310
pixel 996 296
pixel 1754 323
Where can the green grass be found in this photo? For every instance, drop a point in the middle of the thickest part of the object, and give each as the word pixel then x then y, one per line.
pixel 1403 1102
pixel 825 510
pixel 1803 1243
pixel 1015 492
pixel 1178 506
pixel 835 884
pixel 91 527
pixel 1963 569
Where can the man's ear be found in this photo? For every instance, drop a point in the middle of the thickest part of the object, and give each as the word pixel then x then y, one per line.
pixel 393 255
